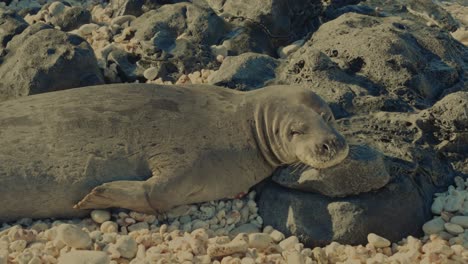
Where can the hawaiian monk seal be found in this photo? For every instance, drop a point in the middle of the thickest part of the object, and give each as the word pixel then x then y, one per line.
pixel 152 147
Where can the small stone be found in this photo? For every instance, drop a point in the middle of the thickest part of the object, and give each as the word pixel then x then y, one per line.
pixel 260 241
pixel 438 205
pixel 122 19
pixel 84 257
pixel 109 227
pixel 460 220
pixel 434 226
pixel 73 236
pixel 56 8
pixel 289 242
pixel 126 246
pixel 247 260
pixel 245 228
pixel 87 29
pixel 453 228
pixel 277 236
pixel 138 226
pixel 454 201
pixel 151 73
pixel 100 216
pixel 18 245
pixel 378 241
pixel 284 52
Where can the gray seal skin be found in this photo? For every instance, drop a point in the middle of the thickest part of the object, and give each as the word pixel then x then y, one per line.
pixel 152 147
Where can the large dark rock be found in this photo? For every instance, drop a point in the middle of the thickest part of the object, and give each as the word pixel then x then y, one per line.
pixel 445 125
pixel 363 170
pixel 283 20
pixel 42 59
pixel 72 18
pixel 127 7
pixel 395 211
pixel 400 56
pixel 245 72
pixel 11 24
pixel 184 32
pixel 362 64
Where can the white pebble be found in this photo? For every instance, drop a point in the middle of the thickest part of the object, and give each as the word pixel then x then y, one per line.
pixel 84 257
pixel 460 220
pixel 73 236
pixel 289 242
pixel 126 246
pixel 453 228
pixel 109 227
pixel 100 216
pixel 438 205
pixel 434 226
pixel 260 241
pixel 378 241
pixel 277 236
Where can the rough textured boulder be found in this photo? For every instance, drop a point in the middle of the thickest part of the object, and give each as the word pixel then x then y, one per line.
pixel 363 170
pixel 395 211
pixel 245 72
pixel 184 31
pixel 445 125
pixel 11 24
pixel 283 20
pixel 372 63
pixel 42 59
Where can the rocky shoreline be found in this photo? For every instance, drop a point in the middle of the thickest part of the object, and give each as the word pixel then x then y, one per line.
pixel 394 75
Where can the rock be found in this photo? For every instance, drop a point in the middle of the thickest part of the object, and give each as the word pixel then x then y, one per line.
pixel 100 216
pixel 433 13
pixel 245 72
pixel 109 227
pixel 73 236
pixel 378 241
pixel 238 245
pixel 370 46
pixel 395 211
pixel 245 228
pixel 339 66
pixel 11 24
pixel 126 246
pixel 434 226
pixel 453 229
pixel 248 38
pixel 438 205
pixel 284 52
pixel 446 119
pixel 42 59
pixel 72 18
pixel 460 220
pixel 282 19
pixel 180 34
pixel 363 170
pixel 289 242
pixel 276 235
pixel 126 65
pixel 163 26
pixel 260 241
pixel 127 7
pixel 84 257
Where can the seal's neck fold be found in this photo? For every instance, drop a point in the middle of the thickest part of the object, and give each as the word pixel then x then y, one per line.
pixel 268 134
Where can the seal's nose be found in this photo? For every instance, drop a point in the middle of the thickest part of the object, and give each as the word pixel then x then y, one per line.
pixel 331 147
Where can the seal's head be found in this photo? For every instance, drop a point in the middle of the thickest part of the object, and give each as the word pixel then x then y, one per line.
pixel 296 126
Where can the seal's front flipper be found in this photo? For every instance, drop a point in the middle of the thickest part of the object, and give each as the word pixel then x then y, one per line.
pixel 121 194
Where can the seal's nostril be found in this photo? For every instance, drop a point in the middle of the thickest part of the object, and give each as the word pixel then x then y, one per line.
pixel 325 147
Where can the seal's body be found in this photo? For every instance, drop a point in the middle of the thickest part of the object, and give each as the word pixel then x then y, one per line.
pixel 150 147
